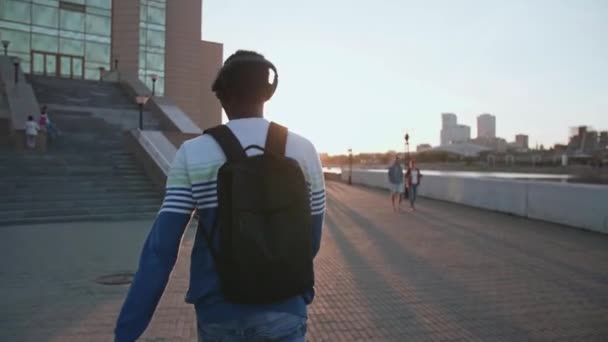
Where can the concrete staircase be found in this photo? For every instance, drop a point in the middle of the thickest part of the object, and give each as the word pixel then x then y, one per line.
pixel 83 93
pixel 106 100
pixel 86 174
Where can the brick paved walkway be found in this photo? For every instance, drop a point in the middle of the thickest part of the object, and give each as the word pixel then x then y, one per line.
pixel 443 273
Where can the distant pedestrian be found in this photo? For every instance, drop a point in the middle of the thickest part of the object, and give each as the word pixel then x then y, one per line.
pixel 31 132
pixel 395 179
pixel 45 122
pixel 42 122
pixel 413 177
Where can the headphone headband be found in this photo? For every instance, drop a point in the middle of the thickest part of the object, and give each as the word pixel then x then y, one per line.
pixel 243 59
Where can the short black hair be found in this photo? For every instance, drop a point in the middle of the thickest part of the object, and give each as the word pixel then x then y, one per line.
pixel 245 76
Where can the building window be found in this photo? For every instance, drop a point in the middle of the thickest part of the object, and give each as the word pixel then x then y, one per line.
pixel 155 62
pixel 72 6
pixel 71 21
pixel 156 16
pixel 72 47
pixel 18 11
pixel 97 52
pixel 45 16
pixel 42 42
pixel 20 41
pixel 155 38
pixel 106 4
pixel 98 25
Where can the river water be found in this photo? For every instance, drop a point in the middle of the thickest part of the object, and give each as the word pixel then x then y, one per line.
pixel 494 175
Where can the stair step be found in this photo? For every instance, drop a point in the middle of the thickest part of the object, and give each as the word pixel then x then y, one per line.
pixel 80 203
pixel 53 160
pixel 59 172
pixel 79 190
pixel 50 212
pixel 67 179
pixel 78 218
pixel 69 196
pixel 72 167
pixel 75 186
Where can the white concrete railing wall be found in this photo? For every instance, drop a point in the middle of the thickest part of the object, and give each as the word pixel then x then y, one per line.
pixel 578 205
pixel 162 105
pixel 20 97
pixel 158 147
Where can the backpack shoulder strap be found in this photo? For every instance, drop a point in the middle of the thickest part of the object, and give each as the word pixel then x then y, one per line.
pixel 228 142
pixel 276 140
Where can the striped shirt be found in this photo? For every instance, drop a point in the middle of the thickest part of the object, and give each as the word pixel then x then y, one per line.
pixel 192 188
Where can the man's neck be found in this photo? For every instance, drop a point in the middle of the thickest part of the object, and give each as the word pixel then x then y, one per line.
pixel 247 116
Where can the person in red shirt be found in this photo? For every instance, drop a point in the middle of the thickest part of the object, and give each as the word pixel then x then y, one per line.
pixel 44 118
pixel 412 179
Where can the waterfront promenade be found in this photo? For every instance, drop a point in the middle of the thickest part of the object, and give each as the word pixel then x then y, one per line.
pixel 444 273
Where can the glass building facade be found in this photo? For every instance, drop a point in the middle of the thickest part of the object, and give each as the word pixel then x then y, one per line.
pixel 152 23
pixel 59 38
pixel 74 38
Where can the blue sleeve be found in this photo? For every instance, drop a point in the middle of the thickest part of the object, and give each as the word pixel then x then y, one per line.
pixel 158 255
pixel 317 225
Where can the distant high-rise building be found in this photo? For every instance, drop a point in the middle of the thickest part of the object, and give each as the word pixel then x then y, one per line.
pixel 451 131
pixel 603 143
pixel 448 120
pixel 577 135
pixel 590 142
pixel 461 133
pixel 521 141
pixel 486 126
pixel 585 139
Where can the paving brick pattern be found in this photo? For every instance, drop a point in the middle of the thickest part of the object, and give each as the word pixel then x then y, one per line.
pixel 443 273
pixel 448 272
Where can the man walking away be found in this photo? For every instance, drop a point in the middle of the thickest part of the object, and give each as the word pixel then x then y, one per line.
pixel 395 179
pixel 259 194
pixel 413 177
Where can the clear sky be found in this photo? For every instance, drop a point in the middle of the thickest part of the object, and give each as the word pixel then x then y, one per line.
pixel 358 74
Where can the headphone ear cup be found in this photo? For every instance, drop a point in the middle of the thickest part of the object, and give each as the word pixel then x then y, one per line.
pixel 272 87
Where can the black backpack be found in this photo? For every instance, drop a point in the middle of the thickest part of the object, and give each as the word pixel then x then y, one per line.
pixel 264 222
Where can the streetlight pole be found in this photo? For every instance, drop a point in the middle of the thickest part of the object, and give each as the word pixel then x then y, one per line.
pixel 5 44
pixel 350 166
pixel 16 62
pixel 141 116
pixel 154 78
pixel 407 149
pixel 141 101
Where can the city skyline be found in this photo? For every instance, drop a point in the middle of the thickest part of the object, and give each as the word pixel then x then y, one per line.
pixel 360 74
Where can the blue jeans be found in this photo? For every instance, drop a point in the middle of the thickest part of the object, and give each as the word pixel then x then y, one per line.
pixel 413 193
pixel 270 326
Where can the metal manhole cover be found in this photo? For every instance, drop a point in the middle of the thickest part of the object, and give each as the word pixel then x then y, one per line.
pixel 115 279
